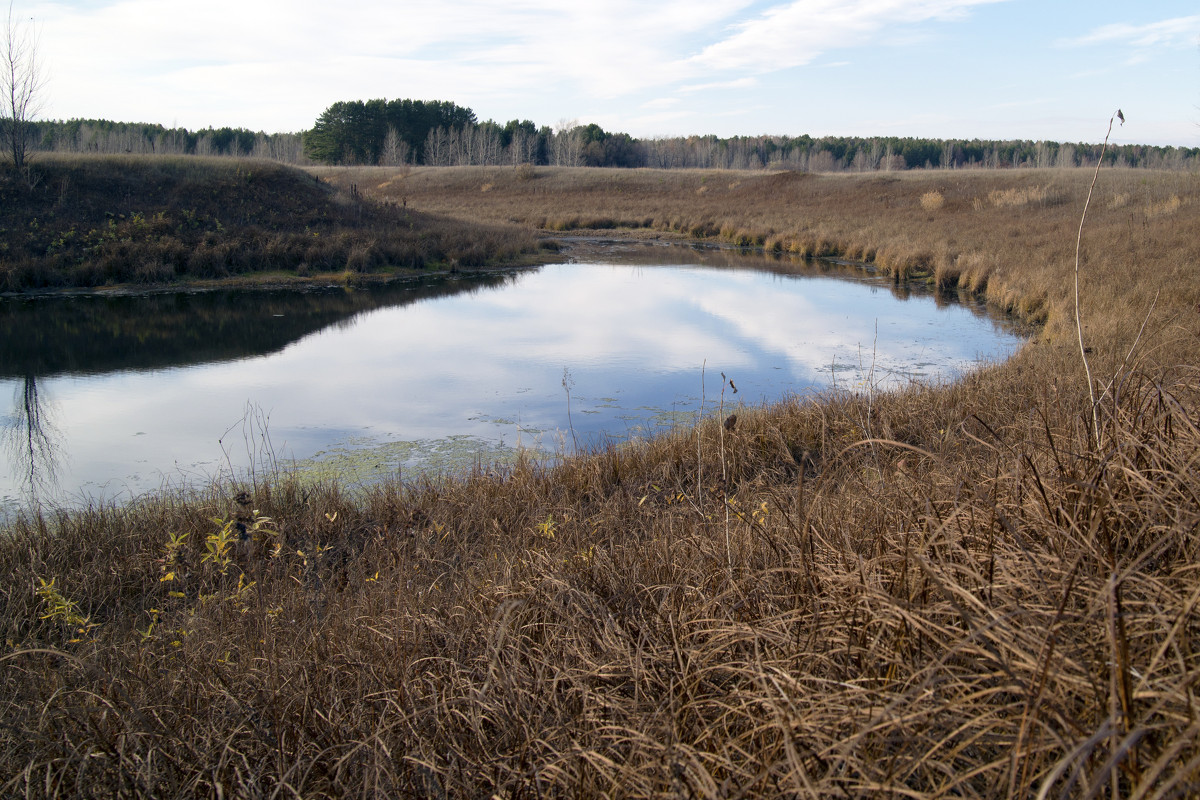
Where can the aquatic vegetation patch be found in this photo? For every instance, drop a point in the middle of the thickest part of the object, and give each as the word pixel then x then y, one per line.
pixel 365 461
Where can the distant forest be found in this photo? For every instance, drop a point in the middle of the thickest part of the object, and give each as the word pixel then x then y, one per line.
pixel 438 133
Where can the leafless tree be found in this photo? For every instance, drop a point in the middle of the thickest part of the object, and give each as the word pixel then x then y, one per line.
pixel 568 144
pixel 437 148
pixel 395 151
pixel 22 83
pixel 518 147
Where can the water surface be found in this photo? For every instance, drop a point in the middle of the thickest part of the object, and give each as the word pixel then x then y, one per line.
pixel 114 396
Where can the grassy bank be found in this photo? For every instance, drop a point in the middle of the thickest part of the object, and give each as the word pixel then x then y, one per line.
pixel 943 591
pixel 96 221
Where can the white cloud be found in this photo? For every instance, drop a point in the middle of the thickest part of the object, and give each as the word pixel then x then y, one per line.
pixel 794 34
pixel 1177 32
pixel 737 83
pixel 139 50
pixel 275 65
pixel 151 53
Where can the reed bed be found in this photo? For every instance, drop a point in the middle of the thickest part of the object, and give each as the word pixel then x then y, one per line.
pixel 968 590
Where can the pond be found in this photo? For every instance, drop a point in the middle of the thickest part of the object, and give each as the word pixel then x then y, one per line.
pixel 113 396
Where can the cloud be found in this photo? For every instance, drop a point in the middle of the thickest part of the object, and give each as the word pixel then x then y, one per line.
pixel 125 54
pixel 794 34
pixel 1177 32
pixel 275 65
pixel 661 123
pixel 183 60
pixel 661 102
pixel 737 83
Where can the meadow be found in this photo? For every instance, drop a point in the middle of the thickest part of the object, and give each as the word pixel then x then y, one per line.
pixel 984 589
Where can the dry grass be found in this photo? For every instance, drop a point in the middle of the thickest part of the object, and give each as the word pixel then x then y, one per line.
pixel 1006 235
pixel 103 220
pixel 1021 196
pixel 945 591
pixel 933 201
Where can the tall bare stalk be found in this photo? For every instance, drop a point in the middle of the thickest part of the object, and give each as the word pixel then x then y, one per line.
pixel 1078 247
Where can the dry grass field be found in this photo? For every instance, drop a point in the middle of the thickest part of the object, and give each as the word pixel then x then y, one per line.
pixel 985 589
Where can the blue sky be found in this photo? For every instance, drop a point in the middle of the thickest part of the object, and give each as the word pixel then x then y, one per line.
pixel 990 69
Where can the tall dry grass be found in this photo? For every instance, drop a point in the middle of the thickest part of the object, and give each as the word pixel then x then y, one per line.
pixel 942 591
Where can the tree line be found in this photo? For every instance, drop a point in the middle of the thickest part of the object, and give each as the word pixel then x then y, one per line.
pixel 106 136
pixel 439 133
pixel 444 134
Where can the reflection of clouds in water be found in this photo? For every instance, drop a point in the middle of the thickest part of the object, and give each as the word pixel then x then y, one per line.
pixel 490 364
pixel 825 320
pixel 591 314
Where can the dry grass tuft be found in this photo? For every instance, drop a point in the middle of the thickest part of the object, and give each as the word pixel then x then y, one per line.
pixel 933 201
pixel 1164 207
pixel 1020 196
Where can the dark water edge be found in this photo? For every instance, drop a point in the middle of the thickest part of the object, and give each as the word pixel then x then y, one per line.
pixel 95 333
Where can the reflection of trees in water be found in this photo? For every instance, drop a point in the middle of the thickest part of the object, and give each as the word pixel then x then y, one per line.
pixel 43 337
pixel 33 442
pixel 95 334
pixel 634 252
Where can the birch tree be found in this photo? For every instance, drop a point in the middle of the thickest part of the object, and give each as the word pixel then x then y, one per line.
pixel 22 83
pixel 395 151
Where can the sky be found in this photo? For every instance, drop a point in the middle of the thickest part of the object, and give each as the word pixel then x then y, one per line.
pixel 963 69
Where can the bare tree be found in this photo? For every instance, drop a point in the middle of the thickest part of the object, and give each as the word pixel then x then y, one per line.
pixel 437 147
pixel 395 151
pixel 22 82
pixel 517 147
pixel 568 144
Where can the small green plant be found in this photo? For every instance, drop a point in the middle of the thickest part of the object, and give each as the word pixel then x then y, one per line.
pixel 218 546
pixel 546 528
pixel 63 610
pixel 170 560
pixel 148 634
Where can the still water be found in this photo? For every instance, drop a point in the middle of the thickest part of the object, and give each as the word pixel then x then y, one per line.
pixel 109 397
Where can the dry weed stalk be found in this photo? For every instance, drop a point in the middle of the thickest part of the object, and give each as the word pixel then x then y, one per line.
pixel 1083 352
